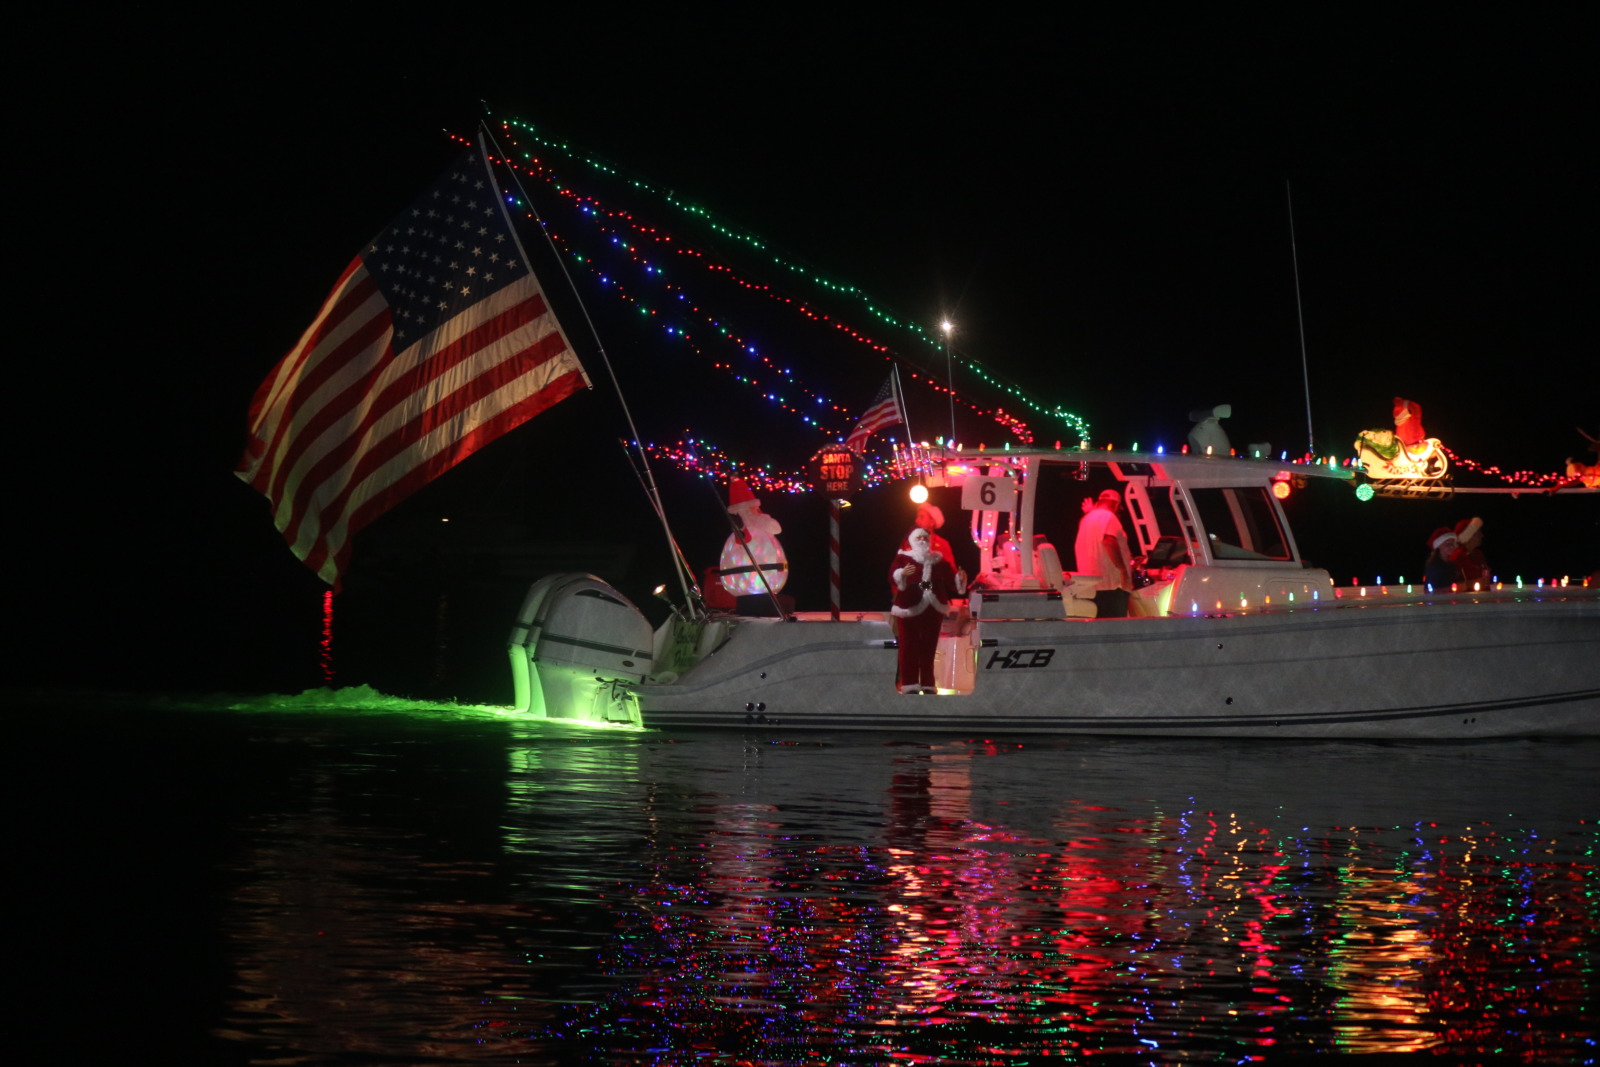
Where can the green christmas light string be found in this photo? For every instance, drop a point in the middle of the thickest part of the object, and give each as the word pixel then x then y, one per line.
pixel 747 347
pixel 817 410
pixel 695 455
pixel 1077 426
pixel 628 235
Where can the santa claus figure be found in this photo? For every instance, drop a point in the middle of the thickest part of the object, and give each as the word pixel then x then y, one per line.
pixel 923 583
pixel 1408 422
pixel 753 563
pixel 931 518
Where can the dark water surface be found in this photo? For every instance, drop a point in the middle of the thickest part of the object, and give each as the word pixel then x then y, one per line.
pixel 369 882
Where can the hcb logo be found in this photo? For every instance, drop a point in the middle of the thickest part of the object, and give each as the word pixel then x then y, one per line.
pixel 1020 657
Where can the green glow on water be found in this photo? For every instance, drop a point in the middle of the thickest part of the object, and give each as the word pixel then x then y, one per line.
pixel 365 700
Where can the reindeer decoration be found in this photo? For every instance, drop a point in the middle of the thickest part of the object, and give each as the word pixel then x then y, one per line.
pixel 1587 473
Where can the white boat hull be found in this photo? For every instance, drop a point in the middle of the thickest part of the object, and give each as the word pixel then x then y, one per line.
pixel 1525 665
pixel 1233 634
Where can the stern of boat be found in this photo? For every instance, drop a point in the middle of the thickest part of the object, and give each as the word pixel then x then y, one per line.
pixel 577 650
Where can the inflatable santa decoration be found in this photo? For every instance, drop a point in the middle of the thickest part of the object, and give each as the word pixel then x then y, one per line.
pixel 753 563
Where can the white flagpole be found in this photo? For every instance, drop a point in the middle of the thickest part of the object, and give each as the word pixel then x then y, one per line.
pixel 900 401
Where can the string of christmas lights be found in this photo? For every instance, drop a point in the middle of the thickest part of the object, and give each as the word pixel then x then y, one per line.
pixel 818 411
pixel 1078 426
pixel 604 218
pixel 1012 424
pixel 699 456
pixel 647 249
pixel 1521 479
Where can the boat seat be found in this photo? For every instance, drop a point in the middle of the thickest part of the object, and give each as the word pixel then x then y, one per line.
pixel 1050 567
pixel 1077 591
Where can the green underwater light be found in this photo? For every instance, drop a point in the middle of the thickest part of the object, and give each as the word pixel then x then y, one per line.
pixel 363 700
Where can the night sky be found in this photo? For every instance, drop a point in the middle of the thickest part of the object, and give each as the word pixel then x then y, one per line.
pixel 1098 202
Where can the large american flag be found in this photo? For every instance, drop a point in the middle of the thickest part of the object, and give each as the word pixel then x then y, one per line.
pixel 435 341
pixel 886 410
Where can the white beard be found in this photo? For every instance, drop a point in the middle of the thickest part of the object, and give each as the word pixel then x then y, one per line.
pixel 923 553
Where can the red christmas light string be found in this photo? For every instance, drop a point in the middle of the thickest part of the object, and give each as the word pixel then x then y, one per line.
pixel 625 232
pixel 536 167
pixel 597 215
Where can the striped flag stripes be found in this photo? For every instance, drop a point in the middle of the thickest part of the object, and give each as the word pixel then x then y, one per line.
pixel 435 340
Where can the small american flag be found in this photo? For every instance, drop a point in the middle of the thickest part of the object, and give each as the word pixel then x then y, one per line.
pixel 435 341
pixel 886 410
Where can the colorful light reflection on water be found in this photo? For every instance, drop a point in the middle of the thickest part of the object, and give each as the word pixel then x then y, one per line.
pixel 706 899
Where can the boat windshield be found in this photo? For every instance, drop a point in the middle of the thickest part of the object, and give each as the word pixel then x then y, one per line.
pixel 1241 523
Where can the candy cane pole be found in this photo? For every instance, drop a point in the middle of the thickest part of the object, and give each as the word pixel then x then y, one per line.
pixel 833 557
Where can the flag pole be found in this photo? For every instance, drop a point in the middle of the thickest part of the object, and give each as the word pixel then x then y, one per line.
pixel 905 417
pixel 652 493
pixel 900 402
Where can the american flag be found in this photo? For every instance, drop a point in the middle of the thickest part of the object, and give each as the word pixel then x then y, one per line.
pixel 435 341
pixel 886 410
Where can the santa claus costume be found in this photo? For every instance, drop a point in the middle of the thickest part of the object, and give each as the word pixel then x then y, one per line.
pixel 923 583
pixel 1408 422
pixel 1442 571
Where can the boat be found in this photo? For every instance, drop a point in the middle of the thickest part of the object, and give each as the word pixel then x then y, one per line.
pixel 1233 633
pixel 1230 634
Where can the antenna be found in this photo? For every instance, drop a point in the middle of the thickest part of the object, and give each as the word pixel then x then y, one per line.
pixel 1305 370
pixel 946 327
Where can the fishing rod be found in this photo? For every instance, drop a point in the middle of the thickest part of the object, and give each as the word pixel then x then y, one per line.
pixel 696 602
pixel 647 480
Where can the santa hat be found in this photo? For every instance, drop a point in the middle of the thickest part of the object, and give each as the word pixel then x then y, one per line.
pixel 1441 537
pixel 739 496
pixel 1467 529
pixel 932 513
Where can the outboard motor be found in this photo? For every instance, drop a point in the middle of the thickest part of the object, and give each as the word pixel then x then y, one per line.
pixel 577 649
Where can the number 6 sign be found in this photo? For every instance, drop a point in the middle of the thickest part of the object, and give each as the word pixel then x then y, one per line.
pixel 989 494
